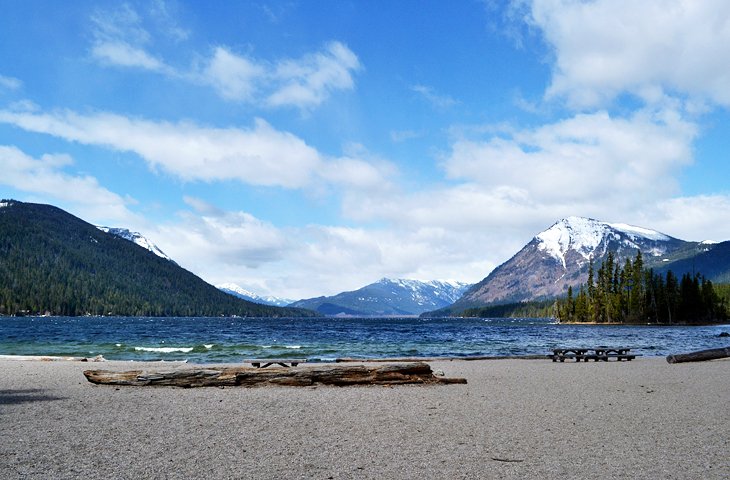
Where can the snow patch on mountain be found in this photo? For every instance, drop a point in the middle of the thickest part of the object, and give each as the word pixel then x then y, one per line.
pixel 585 235
pixel 639 232
pixel 577 233
pixel 240 292
pixel 426 292
pixel 137 238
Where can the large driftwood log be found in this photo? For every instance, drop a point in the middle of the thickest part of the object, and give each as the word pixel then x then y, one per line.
pixel 395 374
pixel 700 356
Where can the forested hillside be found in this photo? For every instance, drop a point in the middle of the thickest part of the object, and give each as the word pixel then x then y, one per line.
pixel 633 294
pixel 52 262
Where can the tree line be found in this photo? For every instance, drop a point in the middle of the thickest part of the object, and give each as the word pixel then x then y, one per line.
pixel 630 293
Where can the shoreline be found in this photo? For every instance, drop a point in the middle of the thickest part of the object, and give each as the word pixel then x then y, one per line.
pixel 514 419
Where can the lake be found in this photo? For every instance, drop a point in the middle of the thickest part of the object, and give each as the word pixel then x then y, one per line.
pixel 217 340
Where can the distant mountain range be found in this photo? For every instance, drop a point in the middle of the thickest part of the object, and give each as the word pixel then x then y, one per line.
pixel 559 257
pixel 388 297
pixel 237 291
pixel 53 262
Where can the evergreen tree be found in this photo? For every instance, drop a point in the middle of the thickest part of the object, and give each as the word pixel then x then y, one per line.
pixel 636 295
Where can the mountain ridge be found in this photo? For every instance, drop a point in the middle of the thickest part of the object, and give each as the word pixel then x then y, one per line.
pixel 52 262
pixel 136 238
pixel 559 257
pixel 240 292
pixel 388 297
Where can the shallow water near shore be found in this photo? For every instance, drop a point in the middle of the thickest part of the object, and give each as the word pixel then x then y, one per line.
pixel 223 340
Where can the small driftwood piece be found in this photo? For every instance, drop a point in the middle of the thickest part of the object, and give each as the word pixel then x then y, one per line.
pixel 396 374
pixel 700 356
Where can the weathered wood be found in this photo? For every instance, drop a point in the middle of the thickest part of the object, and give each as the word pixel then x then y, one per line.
pixel 282 362
pixel 395 374
pixel 599 354
pixel 700 356
pixel 437 359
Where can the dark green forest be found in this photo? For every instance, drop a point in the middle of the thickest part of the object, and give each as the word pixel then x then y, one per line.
pixel 634 294
pixel 535 309
pixel 54 263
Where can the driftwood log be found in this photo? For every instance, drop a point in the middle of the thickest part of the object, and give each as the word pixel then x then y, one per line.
pixel 700 356
pixel 395 374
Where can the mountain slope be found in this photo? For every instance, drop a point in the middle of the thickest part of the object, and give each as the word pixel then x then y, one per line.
pixel 51 261
pixel 388 297
pixel 559 257
pixel 237 291
pixel 137 238
pixel 712 261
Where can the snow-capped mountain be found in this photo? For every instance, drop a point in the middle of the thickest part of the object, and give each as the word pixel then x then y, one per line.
pixel 389 297
pixel 559 257
pixel 576 238
pixel 237 291
pixel 136 237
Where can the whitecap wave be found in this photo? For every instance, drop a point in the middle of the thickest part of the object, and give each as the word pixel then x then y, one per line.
pixel 294 347
pixel 209 345
pixel 164 349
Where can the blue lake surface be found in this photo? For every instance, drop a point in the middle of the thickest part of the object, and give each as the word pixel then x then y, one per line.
pixel 217 340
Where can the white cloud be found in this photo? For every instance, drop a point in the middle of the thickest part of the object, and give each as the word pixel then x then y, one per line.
pixel 303 83
pixel 308 81
pixel 437 100
pixel 404 135
pixel 122 40
pixel 44 177
pixel 164 17
pixel 120 23
pixel 333 259
pixel 207 238
pixel 260 155
pixel 701 217
pixel 120 37
pixel 233 76
pixel 587 158
pixel 10 83
pixel 604 48
pixel 124 55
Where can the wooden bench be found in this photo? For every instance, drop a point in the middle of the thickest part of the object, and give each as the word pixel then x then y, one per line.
pixel 284 362
pixel 596 354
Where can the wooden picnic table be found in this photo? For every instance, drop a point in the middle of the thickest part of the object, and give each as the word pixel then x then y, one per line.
pixel 284 362
pixel 601 353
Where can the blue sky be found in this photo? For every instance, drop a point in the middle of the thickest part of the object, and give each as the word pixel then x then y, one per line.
pixel 306 148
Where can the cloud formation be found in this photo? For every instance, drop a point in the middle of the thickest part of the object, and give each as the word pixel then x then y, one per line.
pixel 310 80
pixel 605 48
pixel 125 55
pixel 303 83
pixel 10 83
pixel 208 236
pixel 121 40
pixel 437 100
pixel 585 158
pixel 260 155
pixel 45 178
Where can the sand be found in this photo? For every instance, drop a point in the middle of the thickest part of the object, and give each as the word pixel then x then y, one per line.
pixel 515 419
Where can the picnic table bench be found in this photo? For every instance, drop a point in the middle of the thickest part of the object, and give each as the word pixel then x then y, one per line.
pixel 284 362
pixel 595 354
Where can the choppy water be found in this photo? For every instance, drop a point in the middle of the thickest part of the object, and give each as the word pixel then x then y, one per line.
pixel 217 340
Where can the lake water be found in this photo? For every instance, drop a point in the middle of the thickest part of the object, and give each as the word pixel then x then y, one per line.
pixel 216 340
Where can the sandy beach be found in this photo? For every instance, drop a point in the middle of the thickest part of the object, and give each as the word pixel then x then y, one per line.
pixel 514 419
